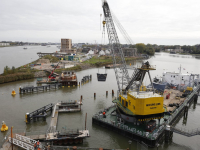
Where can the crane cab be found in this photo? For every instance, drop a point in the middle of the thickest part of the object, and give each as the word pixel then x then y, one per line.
pixel 142 105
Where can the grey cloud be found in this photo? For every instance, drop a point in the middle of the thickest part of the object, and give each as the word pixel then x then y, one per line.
pixel 80 19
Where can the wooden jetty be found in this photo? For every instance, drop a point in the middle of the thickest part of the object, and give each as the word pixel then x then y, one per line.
pixel 31 89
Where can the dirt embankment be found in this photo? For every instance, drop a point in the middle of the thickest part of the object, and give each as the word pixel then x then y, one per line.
pixel 40 74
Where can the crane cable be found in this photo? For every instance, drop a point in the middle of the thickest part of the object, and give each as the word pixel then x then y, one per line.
pixel 123 31
pixel 103 34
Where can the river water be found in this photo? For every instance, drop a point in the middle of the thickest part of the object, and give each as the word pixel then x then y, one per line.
pixel 16 56
pixel 13 109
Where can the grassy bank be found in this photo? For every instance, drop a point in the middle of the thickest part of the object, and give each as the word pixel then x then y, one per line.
pixel 104 60
pixel 23 72
pixel 15 77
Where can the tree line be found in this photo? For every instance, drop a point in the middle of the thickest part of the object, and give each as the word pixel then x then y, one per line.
pixel 150 49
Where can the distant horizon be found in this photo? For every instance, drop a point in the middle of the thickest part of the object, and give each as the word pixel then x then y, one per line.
pixel 99 44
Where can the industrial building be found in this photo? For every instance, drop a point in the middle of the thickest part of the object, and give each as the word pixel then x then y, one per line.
pixel 66 46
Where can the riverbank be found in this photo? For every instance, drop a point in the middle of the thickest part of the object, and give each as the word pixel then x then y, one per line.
pixel 26 72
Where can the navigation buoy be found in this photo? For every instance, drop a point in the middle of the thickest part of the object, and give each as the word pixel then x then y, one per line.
pixel 13 92
pixel 4 127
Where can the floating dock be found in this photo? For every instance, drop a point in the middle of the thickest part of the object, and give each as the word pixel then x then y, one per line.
pixel 136 131
pixel 66 137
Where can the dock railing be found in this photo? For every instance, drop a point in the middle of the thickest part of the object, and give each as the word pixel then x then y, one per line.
pixel 8 134
pixel 177 111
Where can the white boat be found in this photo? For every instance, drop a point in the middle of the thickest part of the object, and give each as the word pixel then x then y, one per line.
pixel 179 80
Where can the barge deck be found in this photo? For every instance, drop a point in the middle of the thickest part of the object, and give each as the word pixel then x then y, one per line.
pixel 137 130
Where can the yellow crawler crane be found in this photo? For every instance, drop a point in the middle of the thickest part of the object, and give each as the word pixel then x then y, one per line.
pixel 132 105
pixel 141 103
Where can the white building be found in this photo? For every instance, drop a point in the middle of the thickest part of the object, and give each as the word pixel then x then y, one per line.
pixel 4 44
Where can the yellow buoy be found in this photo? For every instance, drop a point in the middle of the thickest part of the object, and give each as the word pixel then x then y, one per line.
pixel 62 86
pixel 4 127
pixel 130 64
pixel 13 92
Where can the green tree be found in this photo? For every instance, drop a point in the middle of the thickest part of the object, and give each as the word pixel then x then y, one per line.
pixel 6 69
pixel 140 47
pixel 150 51
pixel 13 69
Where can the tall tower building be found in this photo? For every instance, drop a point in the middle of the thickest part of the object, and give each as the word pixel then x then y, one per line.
pixel 66 45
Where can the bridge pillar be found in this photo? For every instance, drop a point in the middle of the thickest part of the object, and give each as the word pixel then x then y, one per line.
pixel 195 97
pixel 186 110
pixel 168 134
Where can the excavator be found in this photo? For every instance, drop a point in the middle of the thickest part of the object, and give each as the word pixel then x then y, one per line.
pixel 52 77
pixel 134 103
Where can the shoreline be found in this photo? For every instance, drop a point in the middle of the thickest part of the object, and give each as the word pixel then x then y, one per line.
pixel 31 74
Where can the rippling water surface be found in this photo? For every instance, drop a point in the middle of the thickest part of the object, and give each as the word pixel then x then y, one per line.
pixel 13 109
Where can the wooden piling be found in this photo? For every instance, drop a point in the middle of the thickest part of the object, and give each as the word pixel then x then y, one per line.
pixel 94 95
pixel 186 111
pixel 112 92
pixel 106 93
pixel 85 120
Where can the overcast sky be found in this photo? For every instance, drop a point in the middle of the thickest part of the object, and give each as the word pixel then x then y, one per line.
pixel 146 21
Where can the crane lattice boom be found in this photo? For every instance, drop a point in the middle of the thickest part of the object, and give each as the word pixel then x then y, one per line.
pixel 119 63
